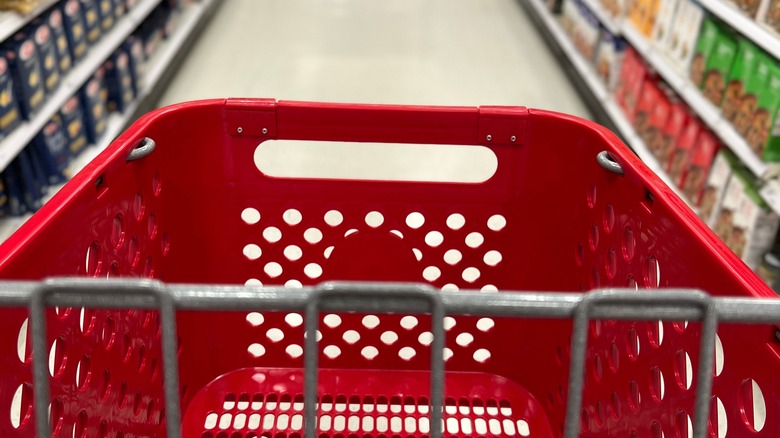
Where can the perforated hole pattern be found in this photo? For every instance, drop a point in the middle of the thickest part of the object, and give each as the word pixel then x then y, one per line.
pixel 262 414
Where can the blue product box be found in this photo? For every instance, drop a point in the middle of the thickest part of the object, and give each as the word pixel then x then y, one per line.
pixel 60 37
pixel 47 53
pixel 119 82
pixel 119 8
pixel 75 29
pixel 9 107
pixel 93 100
pixel 89 9
pixel 106 12
pixel 51 147
pixel 73 122
pixel 135 49
pixel 22 57
pixel 13 186
pixel 41 179
pixel 31 196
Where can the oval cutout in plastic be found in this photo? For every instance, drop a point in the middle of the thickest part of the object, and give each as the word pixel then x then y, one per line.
pixel 375 161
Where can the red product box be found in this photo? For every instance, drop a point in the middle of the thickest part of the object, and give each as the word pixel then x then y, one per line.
pixel 658 119
pixel 694 177
pixel 675 124
pixel 632 76
pixel 682 148
pixel 649 98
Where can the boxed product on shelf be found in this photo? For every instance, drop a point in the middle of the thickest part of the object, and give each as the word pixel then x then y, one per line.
pixel 54 19
pixel 694 175
pixel 658 118
pixel 754 85
pixel 644 16
pixel 719 63
pixel 769 14
pixel 75 28
pixel 22 57
pixel 749 7
pixel 570 15
pixel 13 187
pixel 615 8
pixel 47 52
pixel 52 148
pixel 708 33
pixel 73 122
pixel 633 73
pixel 93 99
pixel 151 33
pixel 679 117
pixel 120 9
pixel 106 13
pixel 41 178
pixel 741 71
pixel 119 81
pixel 760 133
pixel 586 32
pixel 755 226
pixel 135 49
pixel 32 192
pixel 723 221
pixel 662 27
pixel 89 9
pixel 715 187
pixel 609 58
pixel 684 33
pixel 652 111
pixel 683 146
pixel 9 106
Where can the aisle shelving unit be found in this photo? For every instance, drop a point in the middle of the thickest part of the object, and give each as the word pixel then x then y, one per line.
pixel 161 64
pixel 70 84
pixel 709 113
pixel 599 90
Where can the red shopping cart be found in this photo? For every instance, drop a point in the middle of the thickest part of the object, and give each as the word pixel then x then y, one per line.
pixel 181 197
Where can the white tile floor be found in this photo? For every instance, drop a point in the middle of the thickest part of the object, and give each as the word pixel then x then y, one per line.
pixel 431 52
pixel 441 52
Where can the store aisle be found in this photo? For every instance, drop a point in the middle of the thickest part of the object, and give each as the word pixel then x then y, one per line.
pixel 435 52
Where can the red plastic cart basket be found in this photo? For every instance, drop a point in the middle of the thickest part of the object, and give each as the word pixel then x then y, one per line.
pixel 179 197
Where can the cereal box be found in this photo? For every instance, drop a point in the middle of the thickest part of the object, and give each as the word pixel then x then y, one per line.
pixel 679 117
pixel 741 71
pixel 685 143
pixel 706 41
pixel 718 66
pixel 715 187
pixel 700 159
pixel 765 118
pixel 684 33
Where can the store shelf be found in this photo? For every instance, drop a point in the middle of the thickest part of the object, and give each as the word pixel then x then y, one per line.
pixel 72 82
pixel 117 122
pixel 747 26
pixel 709 113
pixel 600 91
pixel 608 21
pixel 11 22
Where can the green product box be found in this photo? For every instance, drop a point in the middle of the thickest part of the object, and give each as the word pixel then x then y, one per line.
pixel 741 71
pixel 707 34
pixel 763 133
pixel 718 66
pixel 753 87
